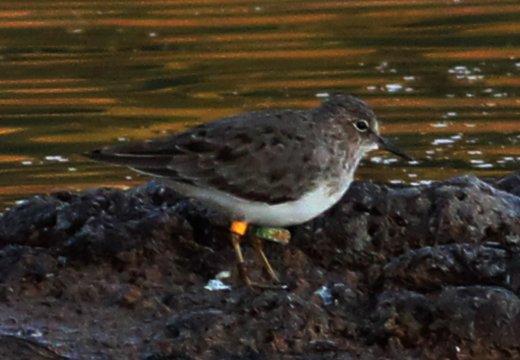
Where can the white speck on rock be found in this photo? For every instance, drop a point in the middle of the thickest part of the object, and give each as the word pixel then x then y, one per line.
pixel 216 285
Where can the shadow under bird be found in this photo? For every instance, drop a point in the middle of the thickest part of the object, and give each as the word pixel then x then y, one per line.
pixel 271 168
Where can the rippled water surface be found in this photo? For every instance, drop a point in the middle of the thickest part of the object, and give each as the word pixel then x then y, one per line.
pixel 443 77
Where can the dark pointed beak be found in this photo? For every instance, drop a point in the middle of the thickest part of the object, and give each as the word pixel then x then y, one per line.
pixel 388 146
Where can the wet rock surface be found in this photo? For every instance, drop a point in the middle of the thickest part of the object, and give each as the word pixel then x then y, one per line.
pixel 389 272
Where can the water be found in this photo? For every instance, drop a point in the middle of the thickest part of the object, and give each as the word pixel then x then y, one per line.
pixel 76 75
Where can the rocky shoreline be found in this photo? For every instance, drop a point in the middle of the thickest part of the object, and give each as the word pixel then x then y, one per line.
pixel 389 272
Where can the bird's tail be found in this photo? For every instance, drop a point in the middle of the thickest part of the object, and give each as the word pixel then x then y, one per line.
pixel 129 157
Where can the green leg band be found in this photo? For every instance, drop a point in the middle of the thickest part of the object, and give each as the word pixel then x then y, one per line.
pixel 278 235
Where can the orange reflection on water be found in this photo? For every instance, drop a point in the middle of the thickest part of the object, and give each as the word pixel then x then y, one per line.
pixel 198 22
pixel 34 189
pixel 169 112
pixel 10 130
pixel 234 37
pixel 475 54
pixel 290 54
pixel 68 90
pixel 441 103
pixel 502 81
pixel 452 11
pixel 17 82
pixel 7 14
pixel 504 151
pixel 49 62
pixel 213 21
pixel 323 83
pixel 72 101
pixel 495 29
pixel 108 134
pixel 488 126
pixel 13 158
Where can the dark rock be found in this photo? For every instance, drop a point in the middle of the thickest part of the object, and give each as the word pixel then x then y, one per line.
pixel 399 272
pixel 376 223
pixel 23 348
pixel 168 357
pixel 20 265
pixel 479 314
pixel 509 183
pixel 194 323
pixel 31 223
pixel 432 268
pixel 402 314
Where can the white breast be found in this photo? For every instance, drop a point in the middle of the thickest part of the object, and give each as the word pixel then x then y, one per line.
pixel 310 205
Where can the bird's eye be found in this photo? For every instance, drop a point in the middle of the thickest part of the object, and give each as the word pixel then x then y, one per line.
pixel 361 125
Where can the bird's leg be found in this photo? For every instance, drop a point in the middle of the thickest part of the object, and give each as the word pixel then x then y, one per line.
pixel 238 230
pixel 260 255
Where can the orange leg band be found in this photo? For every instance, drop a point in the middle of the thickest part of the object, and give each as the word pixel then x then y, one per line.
pixel 239 227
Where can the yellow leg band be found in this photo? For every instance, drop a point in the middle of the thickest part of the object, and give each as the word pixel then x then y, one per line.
pixel 239 227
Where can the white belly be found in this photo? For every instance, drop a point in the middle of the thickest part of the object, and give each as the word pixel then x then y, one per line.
pixel 294 212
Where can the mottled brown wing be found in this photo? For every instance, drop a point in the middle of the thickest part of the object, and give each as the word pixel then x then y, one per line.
pixel 262 156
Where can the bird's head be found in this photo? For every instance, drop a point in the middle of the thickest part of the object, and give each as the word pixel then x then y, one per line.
pixel 360 123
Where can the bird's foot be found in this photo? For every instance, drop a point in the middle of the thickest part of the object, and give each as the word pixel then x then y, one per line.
pixel 265 286
pixel 254 285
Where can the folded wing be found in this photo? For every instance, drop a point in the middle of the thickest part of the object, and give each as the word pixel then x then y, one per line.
pixel 255 156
